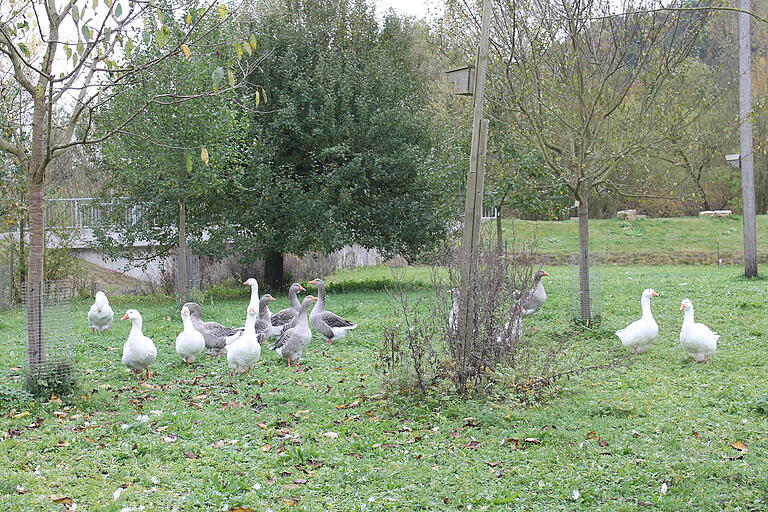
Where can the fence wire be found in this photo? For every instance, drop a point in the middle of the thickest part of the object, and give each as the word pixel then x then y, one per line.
pixel 595 289
pixel 194 277
pixel 50 357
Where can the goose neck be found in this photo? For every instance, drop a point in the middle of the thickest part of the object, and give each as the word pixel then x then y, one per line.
pixel 264 313
pixel 250 322
pixel 136 328
pixel 645 304
pixel 254 293
pixel 292 295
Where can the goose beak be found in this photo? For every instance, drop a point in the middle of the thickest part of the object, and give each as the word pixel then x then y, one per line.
pixel 682 306
pixel 125 317
pixel 545 274
pixel 314 281
pixel 245 283
pixel 302 289
pixel 654 294
pixel 271 299
pixel 312 298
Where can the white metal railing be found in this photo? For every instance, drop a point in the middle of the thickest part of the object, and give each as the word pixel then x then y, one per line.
pixel 84 213
pixel 490 213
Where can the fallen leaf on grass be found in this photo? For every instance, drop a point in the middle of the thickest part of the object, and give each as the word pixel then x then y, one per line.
pixel 472 445
pixel 635 433
pixel 532 440
pixel 191 455
pixel 514 442
pixel 350 405
pixel 291 502
pixel 664 488
pixel 266 447
pixel 355 455
pixel 64 500
pixel 493 464
pixel 738 445
pixel 332 435
pixel 603 443
pixel 696 434
pixel 218 444
pixel 21 414
pixel 241 509
pixel 738 457
pixel 171 438
pixel 592 435
pixel 471 422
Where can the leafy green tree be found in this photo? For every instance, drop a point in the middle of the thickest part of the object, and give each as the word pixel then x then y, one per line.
pixel 168 174
pixel 65 76
pixel 344 151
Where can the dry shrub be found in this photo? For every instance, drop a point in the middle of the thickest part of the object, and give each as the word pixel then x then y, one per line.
pixel 421 352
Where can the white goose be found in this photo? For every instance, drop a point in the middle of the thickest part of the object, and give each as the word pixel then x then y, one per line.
pixel 697 340
pixel 100 315
pixel 639 335
pixel 190 342
pixel 254 284
pixel 330 325
pixel 245 351
pixel 138 351
pixel 294 341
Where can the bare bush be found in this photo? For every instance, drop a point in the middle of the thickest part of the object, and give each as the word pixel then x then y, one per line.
pixel 423 351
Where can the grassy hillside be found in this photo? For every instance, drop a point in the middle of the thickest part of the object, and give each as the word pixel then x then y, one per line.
pixel 660 434
pixel 683 234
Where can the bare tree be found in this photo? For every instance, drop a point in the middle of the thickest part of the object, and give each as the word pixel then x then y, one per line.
pixel 65 56
pixel 583 80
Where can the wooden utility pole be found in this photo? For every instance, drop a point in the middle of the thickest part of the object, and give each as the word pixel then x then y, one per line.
pixel 473 206
pixel 745 138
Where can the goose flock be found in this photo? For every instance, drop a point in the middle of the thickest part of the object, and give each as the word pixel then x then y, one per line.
pixel 242 345
pixel 696 339
pixel 291 327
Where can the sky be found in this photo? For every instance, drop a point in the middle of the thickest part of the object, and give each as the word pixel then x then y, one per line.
pixel 417 8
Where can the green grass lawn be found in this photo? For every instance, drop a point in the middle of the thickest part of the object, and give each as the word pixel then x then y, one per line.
pixel 684 234
pixel 658 434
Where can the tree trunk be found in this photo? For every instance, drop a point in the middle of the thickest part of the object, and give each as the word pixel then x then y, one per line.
pixel 34 293
pixel 585 309
pixel 274 277
pixel 181 256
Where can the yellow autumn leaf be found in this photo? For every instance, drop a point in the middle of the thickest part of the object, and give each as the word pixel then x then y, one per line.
pixel 738 445
pixel 188 19
pixel 186 50
pixel 231 77
pixel 223 11
pixel 204 155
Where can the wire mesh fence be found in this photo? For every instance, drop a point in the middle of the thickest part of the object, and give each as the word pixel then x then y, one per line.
pixel 185 289
pixel 50 359
pixel 7 255
pixel 586 290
